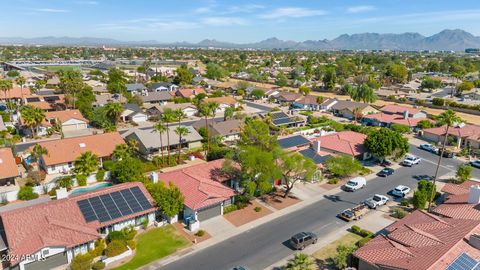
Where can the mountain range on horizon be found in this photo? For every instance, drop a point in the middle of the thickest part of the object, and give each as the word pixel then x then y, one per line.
pixel 451 40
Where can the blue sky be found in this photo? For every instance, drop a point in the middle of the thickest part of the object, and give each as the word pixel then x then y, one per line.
pixel 234 21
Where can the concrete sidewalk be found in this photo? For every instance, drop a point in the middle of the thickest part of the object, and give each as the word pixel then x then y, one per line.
pixel 226 234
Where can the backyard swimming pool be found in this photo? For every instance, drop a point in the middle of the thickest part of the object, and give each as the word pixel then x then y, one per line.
pixel 86 189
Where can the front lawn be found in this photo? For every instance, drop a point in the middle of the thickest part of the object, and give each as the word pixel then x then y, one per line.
pixel 155 244
pixel 326 255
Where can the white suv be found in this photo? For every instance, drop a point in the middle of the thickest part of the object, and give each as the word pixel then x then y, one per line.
pixel 410 160
pixel 400 191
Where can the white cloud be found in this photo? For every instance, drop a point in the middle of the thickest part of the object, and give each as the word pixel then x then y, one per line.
pixel 149 25
pixel 50 10
pixel 224 21
pixel 360 9
pixel 293 12
pixel 92 3
pixel 244 8
pixel 203 10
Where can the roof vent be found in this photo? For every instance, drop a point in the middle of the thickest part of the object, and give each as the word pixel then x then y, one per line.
pixel 82 145
pixel 474 240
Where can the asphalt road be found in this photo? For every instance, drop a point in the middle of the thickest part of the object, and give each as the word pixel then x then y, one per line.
pixel 265 245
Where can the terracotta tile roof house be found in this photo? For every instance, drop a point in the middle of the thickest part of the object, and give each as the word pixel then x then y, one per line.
pixel 62 153
pixel 189 93
pixel 344 142
pixel 71 225
pixel 395 114
pixel 205 195
pixel 8 167
pixel 46 101
pixel 228 100
pixel 420 241
pixel 15 93
pixel 397 109
pixel 462 201
pixel 465 135
pixel 70 120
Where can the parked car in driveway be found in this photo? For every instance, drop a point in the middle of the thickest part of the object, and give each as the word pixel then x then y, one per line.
pixel 428 147
pixel 303 239
pixel 400 191
pixel 355 184
pixel 475 163
pixel 385 172
pixel 376 200
pixel 411 160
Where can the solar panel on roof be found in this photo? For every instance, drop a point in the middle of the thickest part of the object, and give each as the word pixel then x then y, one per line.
pixel 278 115
pixel 110 205
pixel 282 121
pixel 142 200
pixel 51 98
pixel 34 99
pixel 464 262
pixel 99 209
pixel 293 141
pixel 121 203
pixel 132 202
pixel 87 210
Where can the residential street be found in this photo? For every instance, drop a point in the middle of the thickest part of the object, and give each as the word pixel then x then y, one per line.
pixel 265 245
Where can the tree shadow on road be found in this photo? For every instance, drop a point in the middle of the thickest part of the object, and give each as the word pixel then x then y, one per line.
pixel 336 198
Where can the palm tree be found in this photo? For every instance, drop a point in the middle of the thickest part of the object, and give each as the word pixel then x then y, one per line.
pixel 113 111
pixel 86 163
pixel 204 110
pixel 168 117
pixel 180 131
pixel 121 151
pixel 160 128
pixel 6 86
pixel 300 261
pixel 357 114
pixel 179 115
pixel 21 81
pixel 447 118
pixel 32 117
pixel 39 151
pixel 228 113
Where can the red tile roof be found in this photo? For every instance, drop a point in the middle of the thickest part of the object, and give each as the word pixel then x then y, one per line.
pixel 15 92
pixel 199 184
pixel 8 167
pixel 420 241
pixel 56 223
pixel 346 142
pixel 397 109
pixel 67 150
pixel 189 92
pixel 468 131
pixel 395 118
pixel 229 100
pixel 458 189
pixel 64 116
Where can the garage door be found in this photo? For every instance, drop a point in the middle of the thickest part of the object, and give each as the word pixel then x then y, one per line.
pixel 49 263
pixel 210 212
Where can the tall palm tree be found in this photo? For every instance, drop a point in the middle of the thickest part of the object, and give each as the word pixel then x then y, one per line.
pixel 113 111
pixel 121 151
pixel 204 110
pixel 39 151
pixel 447 118
pixel 160 128
pixel 180 131
pixel 86 163
pixel 300 261
pixel 32 117
pixel 21 81
pixel 168 117
pixel 179 115
pixel 5 87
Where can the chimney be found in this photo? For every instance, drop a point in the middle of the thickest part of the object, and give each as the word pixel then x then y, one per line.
pixel 405 114
pixel 474 195
pixel 316 146
pixel 154 177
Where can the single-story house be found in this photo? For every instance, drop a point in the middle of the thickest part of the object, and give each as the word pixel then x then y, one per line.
pixel 160 97
pixel 46 101
pixel 164 86
pixel 347 109
pixel 69 120
pixel 287 97
pixel 62 153
pixel 15 94
pixel 205 195
pixel 8 167
pixel 307 103
pixel 136 88
pixel 103 99
pixel 223 102
pixel 148 140
pixel 229 130
pixel 348 143
pixel 281 119
pixel 189 93
pixel 187 108
pixel 132 112
pixel 52 82
pixel 327 104
pixel 293 142
pixel 50 234
pixel 465 136
pixel 198 80
pixel 395 114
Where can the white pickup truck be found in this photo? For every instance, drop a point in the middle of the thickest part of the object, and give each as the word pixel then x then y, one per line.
pixel 376 200
pixel 410 160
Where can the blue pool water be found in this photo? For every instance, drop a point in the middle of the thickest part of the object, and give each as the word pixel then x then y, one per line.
pixel 86 189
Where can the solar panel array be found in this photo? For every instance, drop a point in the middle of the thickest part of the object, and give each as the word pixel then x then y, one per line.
pixel 114 205
pixel 51 98
pixel 293 141
pixel 277 115
pixel 464 262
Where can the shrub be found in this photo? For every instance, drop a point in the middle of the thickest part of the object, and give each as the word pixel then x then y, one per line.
pixel 365 171
pixel 438 101
pixel 464 172
pixel 81 180
pixel 132 244
pixel 355 229
pixel 98 265
pixel 363 241
pixel 258 209
pixel 364 233
pixel 400 128
pixel 108 165
pixel 99 248
pixel 200 233
pixel 116 235
pixel 81 262
pixel 230 208
pixel 129 234
pixel 399 213
pixel 100 175
pixel 64 182
pixel 115 247
pixel 333 181
pixel 26 193
pixel 404 202
pixel 343 165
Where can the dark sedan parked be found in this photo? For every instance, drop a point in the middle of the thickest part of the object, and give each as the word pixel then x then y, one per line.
pixel 386 172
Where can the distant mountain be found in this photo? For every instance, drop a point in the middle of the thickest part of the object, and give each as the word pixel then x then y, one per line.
pixel 455 40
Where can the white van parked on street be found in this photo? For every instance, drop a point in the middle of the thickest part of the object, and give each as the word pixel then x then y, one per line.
pixel 355 184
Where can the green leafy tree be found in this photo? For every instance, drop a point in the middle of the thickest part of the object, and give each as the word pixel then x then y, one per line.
pixel 181 132
pixel 397 72
pixel 82 262
pixel 215 71
pixel 228 113
pixel 385 143
pixel 117 81
pixel 122 151
pixel 329 78
pixel 464 173
pixel 300 261
pixel 304 90
pixel 257 93
pixel 343 253
pixel 281 80
pixel 128 170
pixel 257 133
pixel 424 193
pixel 343 165
pixel 295 168
pixel 183 76
pixel 363 93
pixel 400 128
pixel 424 124
pixel 13 73
pixel 169 199
pixel 465 86
pixel 448 118
pixel 430 84
pixel 86 163
pixel 71 82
